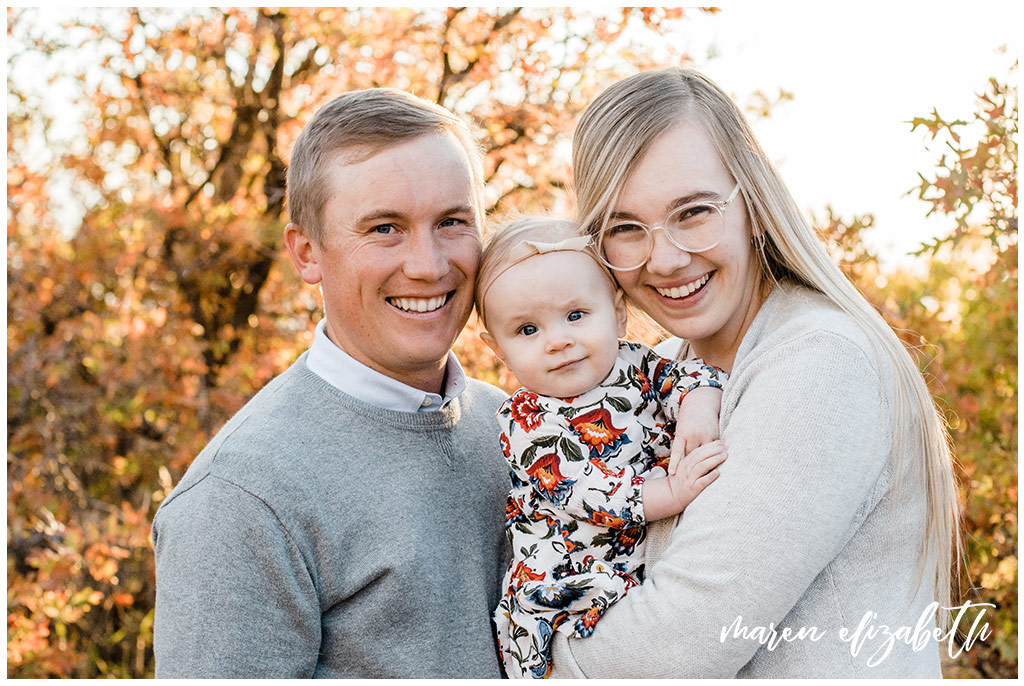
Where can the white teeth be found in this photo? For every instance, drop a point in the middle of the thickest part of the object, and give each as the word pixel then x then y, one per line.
pixel 419 304
pixel 683 291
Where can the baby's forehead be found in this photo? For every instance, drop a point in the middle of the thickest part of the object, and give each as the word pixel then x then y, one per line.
pixel 563 266
pixel 560 277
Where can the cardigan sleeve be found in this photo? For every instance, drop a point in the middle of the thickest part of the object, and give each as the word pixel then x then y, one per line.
pixel 808 440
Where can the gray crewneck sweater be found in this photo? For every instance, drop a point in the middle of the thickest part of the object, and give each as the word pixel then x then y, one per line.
pixel 320 536
pixel 802 530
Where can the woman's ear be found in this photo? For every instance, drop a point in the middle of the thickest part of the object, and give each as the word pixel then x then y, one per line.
pixel 487 338
pixel 620 313
pixel 304 252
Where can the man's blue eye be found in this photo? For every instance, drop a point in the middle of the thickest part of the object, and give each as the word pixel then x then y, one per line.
pixel 452 221
pixel 575 315
pixel 384 229
pixel 528 330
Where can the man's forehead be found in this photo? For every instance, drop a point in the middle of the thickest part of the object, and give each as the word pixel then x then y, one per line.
pixel 357 153
pixel 427 174
pixel 354 154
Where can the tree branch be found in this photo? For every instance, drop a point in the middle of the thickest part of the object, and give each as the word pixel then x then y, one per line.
pixel 449 77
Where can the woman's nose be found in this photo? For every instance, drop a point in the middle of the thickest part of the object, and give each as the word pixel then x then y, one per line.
pixel 666 258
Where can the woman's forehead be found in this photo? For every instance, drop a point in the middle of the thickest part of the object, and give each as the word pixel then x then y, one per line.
pixel 681 165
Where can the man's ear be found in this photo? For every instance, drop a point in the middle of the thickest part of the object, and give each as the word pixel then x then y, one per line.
pixel 620 314
pixel 304 252
pixel 487 338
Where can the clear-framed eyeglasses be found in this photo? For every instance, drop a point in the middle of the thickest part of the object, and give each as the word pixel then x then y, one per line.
pixel 697 227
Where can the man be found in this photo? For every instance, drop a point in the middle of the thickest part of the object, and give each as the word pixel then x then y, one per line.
pixel 348 521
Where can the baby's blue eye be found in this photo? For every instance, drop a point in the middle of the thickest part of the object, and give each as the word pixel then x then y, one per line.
pixel 575 315
pixel 528 330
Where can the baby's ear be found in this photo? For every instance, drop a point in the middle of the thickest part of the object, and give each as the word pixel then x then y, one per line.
pixel 487 338
pixel 620 313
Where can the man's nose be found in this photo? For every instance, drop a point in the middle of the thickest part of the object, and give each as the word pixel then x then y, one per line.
pixel 666 258
pixel 425 258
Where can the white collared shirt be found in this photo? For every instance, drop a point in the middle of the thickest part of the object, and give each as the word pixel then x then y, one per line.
pixel 350 376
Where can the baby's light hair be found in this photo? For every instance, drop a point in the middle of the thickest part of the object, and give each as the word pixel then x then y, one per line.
pixel 500 242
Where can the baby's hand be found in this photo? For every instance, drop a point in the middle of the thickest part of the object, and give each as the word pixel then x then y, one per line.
pixel 670 496
pixel 696 470
pixel 696 423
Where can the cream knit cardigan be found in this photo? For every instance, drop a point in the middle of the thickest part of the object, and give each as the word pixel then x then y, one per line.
pixel 801 531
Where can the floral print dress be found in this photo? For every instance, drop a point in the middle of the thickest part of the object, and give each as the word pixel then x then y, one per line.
pixel 575 515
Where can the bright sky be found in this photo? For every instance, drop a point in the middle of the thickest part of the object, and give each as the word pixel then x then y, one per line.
pixel 857 75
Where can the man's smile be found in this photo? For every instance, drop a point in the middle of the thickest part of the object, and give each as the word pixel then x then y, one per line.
pixel 420 304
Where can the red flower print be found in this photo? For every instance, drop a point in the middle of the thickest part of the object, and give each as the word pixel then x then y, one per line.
pixel 602 517
pixel 625 541
pixel 521 574
pixel 513 512
pixel 646 389
pixel 629 579
pixel 664 378
pixel 506 449
pixel 603 468
pixel 623 532
pixel 585 624
pixel 565 533
pixel 546 477
pixel 526 411
pixel 595 428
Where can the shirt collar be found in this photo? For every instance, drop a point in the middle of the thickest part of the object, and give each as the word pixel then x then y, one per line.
pixel 350 376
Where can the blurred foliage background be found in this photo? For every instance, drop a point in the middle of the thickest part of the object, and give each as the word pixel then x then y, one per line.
pixel 148 294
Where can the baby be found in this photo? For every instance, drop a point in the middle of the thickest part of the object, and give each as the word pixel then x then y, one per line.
pixel 585 437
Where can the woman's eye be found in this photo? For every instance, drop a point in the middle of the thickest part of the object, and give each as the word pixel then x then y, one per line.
pixel 575 315
pixel 623 230
pixel 528 330
pixel 694 214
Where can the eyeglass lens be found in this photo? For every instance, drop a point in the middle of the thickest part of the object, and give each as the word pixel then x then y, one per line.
pixel 693 227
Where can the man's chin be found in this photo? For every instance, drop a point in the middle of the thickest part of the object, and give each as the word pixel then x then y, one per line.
pixel 410 352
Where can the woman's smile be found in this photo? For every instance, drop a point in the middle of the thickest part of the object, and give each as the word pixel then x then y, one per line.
pixel 706 297
pixel 686 290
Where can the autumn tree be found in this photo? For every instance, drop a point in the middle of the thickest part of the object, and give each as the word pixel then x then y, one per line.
pixel 967 309
pixel 147 297
pixel 960 322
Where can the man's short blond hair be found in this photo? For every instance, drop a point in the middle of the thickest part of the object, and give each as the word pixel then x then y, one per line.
pixel 366 121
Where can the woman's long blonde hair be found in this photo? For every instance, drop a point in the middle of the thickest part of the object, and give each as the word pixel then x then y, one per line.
pixel 615 132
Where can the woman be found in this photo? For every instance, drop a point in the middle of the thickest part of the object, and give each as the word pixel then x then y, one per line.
pixel 833 522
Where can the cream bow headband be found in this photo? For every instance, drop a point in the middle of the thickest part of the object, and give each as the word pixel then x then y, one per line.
pixel 524 251
pixel 527 249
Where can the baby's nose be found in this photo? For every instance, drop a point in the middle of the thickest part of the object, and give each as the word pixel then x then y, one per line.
pixel 559 341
